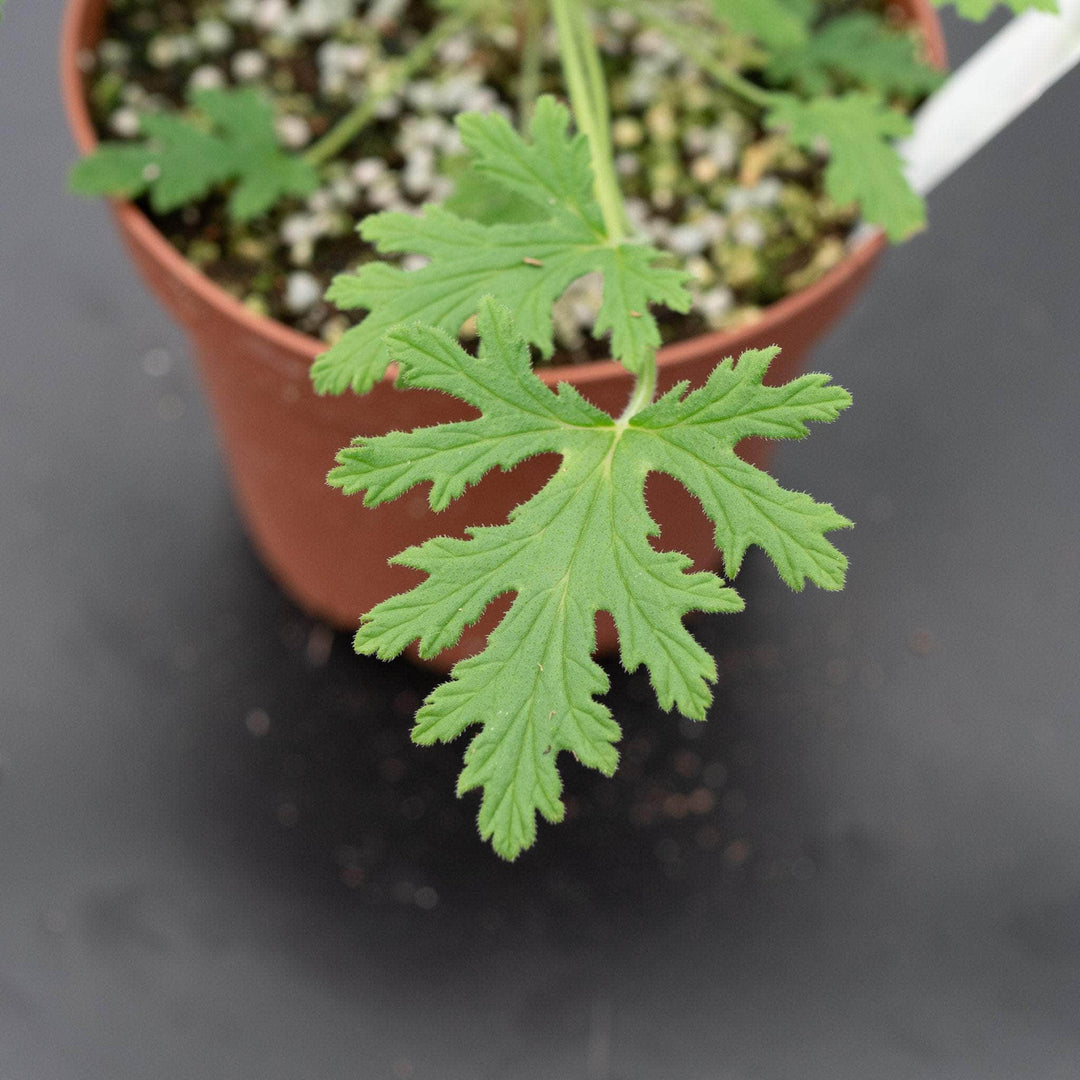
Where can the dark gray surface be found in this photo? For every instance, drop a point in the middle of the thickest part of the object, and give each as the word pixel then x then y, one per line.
pixel 901 758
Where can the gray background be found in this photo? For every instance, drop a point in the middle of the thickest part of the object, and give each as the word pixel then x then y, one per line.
pixel 901 758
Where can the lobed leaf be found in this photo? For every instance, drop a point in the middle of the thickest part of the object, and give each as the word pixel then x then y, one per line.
pixel 579 546
pixel 857 129
pixel 524 265
pixel 118 170
pixel 777 24
pixel 230 136
pixel 858 48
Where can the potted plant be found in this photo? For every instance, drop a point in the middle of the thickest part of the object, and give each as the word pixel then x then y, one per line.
pixel 537 208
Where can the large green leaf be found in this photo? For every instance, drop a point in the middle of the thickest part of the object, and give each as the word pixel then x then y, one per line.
pixel 579 546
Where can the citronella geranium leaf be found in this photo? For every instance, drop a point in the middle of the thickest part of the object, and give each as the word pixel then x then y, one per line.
pixel 857 129
pixel 476 198
pixel 979 9
pixel 120 170
pixel 579 546
pixel 229 136
pixel 260 187
pixel 180 161
pixel 552 169
pixel 524 265
pixel 778 24
pixel 263 170
pixel 860 49
pixel 189 162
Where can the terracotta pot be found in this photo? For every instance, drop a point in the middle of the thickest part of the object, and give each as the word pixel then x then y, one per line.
pixel 328 551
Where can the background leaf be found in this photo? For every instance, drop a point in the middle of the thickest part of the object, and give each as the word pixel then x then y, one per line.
pixel 856 49
pixel 777 24
pixel 229 136
pixel 857 131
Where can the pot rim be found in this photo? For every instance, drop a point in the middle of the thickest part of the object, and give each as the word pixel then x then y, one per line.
pixel 77 27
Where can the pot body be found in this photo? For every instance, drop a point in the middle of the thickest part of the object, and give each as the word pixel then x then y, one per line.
pixel 329 552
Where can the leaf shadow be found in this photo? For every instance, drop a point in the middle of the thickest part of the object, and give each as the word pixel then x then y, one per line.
pixel 322 790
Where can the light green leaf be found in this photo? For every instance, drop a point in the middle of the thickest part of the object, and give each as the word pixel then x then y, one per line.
pixel 189 162
pixel 230 136
pixel 777 24
pixel 524 265
pixel 552 169
pixel 579 546
pixel 276 176
pixel 861 49
pixel 857 130
pixel 979 9
pixel 119 170
pixel 264 172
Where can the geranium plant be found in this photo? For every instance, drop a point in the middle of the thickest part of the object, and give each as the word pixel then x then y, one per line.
pixel 538 208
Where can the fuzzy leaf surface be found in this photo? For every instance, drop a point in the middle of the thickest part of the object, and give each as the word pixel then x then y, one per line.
pixel 526 265
pixel 855 49
pixel 579 546
pixel 230 136
pixel 857 129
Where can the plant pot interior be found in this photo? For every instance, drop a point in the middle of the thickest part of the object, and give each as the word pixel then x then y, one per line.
pixel 742 209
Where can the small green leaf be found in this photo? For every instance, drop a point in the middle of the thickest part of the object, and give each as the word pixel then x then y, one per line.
pixel 579 546
pixel 524 265
pixel 189 161
pixel 777 24
pixel 115 169
pixel 979 9
pixel 229 136
pixel 274 176
pixel 859 49
pixel 264 172
pixel 857 130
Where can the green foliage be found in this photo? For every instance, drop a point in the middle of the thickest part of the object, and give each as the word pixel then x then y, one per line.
pixel 478 198
pixel 979 9
pixel 530 217
pixel 229 136
pixel 777 24
pixel 524 265
pixel 528 223
pixel 579 546
pixel 857 130
pixel 788 24
pixel 857 49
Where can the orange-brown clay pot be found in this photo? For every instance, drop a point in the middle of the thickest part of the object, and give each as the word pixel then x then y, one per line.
pixel 328 551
